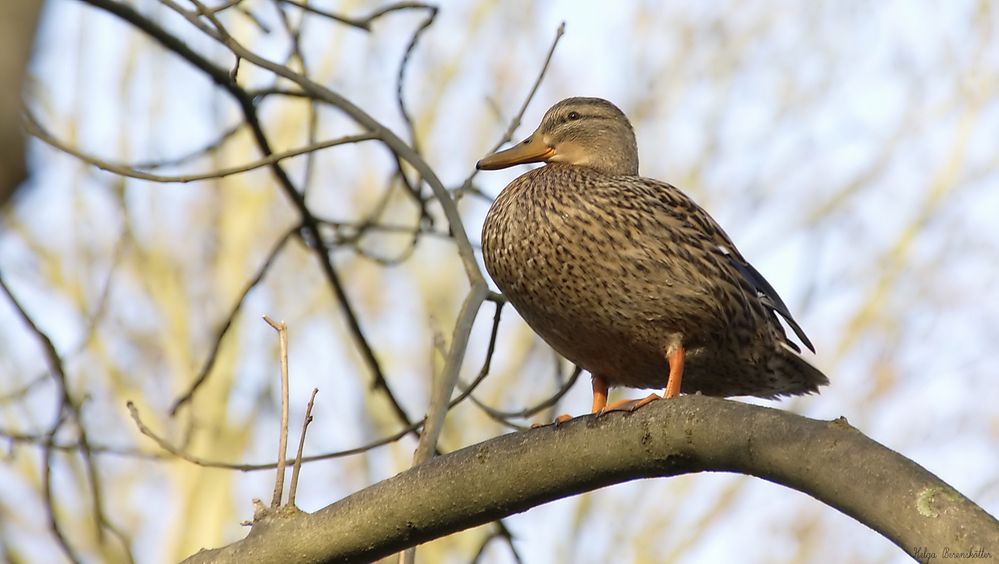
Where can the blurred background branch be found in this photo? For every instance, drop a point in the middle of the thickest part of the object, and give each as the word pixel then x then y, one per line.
pixel 18 22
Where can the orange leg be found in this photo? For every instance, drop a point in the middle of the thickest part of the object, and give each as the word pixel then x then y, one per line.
pixel 675 355
pixel 623 405
pixel 599 393
pixel 599 401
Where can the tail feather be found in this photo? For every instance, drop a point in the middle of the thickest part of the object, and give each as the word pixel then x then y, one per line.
pixel 797 375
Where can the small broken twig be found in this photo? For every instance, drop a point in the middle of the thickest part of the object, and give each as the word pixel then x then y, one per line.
pixel 282 330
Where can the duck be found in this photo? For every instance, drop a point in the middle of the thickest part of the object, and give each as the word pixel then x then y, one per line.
pixel 627 276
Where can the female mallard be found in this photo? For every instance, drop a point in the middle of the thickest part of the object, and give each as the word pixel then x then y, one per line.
pixel 628 277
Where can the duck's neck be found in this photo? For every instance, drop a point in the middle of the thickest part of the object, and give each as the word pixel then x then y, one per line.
pixel 612 163
pixel 609 168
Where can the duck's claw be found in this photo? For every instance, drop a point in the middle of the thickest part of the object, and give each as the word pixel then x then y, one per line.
pixel 645 401
pixel 558 421
pixel 628 405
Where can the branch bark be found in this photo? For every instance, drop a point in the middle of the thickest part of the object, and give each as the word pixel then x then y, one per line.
pixel 828 460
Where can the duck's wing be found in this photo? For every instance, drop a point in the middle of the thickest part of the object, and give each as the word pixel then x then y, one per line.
pixel 697 220
pixel 764 290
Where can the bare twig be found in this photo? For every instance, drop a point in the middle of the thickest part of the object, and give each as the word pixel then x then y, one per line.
pixel 208 148
pixel 67 403
pixel 293 488
pixel 379 208
pixel 295 36
pixel 282 330
pixel 223 6
pixel 309 224
pixel 45 441
pixel 359 23
pixel 401 81
pixel 504 416
pixel 50 502
pixel 503 534
pixel 23 390
pixel 441 394
pixel 515 122
pixel 123 539
pixel 33 127
pixel 199 461
pixel 98 311
pixel 412 188
pixel 355 230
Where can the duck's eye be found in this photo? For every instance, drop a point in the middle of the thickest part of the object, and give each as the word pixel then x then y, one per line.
pixel 572 116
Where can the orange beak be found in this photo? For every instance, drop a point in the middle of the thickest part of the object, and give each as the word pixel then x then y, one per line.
pixel 530 150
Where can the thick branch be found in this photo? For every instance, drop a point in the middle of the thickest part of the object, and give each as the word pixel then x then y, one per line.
pixel 831 461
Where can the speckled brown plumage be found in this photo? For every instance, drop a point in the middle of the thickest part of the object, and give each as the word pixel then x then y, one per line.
pixel 611 268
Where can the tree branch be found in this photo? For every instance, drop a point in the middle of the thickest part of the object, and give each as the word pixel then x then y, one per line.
pixel 830 461
pixel 310 227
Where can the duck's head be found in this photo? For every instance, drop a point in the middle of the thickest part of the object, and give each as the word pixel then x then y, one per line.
pixel 588 132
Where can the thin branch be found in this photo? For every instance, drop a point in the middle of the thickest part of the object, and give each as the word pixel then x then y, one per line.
pixel 282 330
pixel 224 6
pixel 123 539
pixel 441 394
pixel 412 188
pixel 371 218
pixel 359 23
pixel 401 81
pixel 274 90
pixel 23 390
pixel 409 556
pixel 35 128
pixel 295 36
pixel 199 461
pixel 209 148
pixel 50 502
pixel 95 316
pixel 206 368
pixel 504 416
pixel 67 403
pixel 293 488
pixel 515 122
pixel 519 116
pixel 357 230
pixel 503 534
pixel 43 440
pixel 379 382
